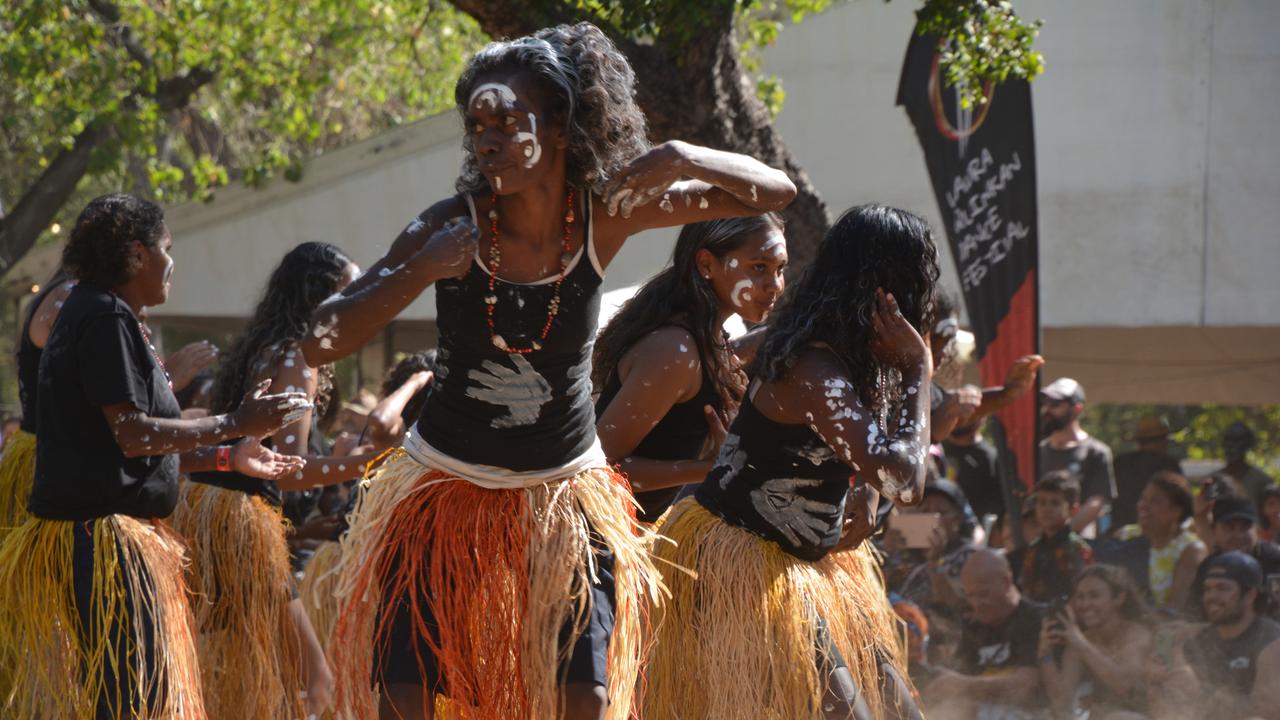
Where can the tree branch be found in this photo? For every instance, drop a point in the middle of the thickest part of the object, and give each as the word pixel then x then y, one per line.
pixel 121 33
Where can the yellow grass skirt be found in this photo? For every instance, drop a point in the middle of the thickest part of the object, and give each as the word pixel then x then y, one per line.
pixel 240 580
pixel 318 590
pixel 518 565
pixel 739 640
pixel 17 472
pixel 59 668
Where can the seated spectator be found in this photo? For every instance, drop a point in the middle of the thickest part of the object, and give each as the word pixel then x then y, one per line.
pixel 995 674
pixel 933 577
pixel 1093 652
pixel 1235 529
pixel 1216 673
pixel 1043 569
pixel 1270 530
pixel 1160 552
pixel 1134 467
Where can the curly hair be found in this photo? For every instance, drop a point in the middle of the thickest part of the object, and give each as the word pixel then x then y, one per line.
pixel 869 247
pixel 423 361
pixel 99 251
pixel 590 90
pixel 680 296
pixel 308 274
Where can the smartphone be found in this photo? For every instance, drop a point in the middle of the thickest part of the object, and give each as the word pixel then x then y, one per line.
pixel 916 527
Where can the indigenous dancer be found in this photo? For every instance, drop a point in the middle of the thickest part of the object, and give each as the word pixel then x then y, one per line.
pixel 259 654
pixel 668 372
pixel 494 558
pixel 18 462
pixel 774 624
pixel 94 619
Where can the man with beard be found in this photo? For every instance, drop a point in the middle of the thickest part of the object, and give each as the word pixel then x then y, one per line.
pixel 1235 529
pixel 1217 672
pixel 1066 446
pixel 1237 441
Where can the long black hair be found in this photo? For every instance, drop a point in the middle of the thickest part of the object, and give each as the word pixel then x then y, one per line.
pixel 590 90
pixel 869 247
pixel 306 277
pixel 679 295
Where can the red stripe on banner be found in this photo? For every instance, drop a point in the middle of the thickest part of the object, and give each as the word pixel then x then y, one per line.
pixel 1016 336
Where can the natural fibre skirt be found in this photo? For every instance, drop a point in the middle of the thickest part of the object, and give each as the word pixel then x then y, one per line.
pixel 742 635
pixel 494 589
pixel 17 472
pixel 95 623
pixel 241 582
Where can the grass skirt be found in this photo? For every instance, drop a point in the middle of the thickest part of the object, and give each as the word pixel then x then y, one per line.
pixel 318 590
pixel 240 580
pixel 506 569
pixel 17 472
pixel 140 625
pixel 740 638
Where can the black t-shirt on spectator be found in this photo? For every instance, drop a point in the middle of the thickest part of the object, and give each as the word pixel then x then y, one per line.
pixel 976 474
pixel 992 649
pixel 1089 462
pixel 1132 470
pixel 96 356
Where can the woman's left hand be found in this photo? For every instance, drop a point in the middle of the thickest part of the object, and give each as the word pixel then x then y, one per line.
pixel 860 507
pixel 250 457
pixel 643 179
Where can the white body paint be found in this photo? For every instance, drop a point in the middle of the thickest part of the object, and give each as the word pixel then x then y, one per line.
pixel 497 183
pixel 754 197
pixel 740 292
pixel 533 151
pixel 666 203
pixel 490 95
pixel 702 203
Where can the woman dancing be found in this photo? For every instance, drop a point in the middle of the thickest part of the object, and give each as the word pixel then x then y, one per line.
pixel 668 372
pixel 94 620
pixel 259 654
pixel 494 558
pixel 774 619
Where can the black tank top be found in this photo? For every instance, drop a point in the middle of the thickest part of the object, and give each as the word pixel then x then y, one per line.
pixel 519 412
pixel 779 481
pixel 29 362
pixel 679 435
pixel 1232 663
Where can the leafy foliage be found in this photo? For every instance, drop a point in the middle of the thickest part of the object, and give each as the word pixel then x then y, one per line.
pixel 1197 429
pixel 983 42
pixel 289 79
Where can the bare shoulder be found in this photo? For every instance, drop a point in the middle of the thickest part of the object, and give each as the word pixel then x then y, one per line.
pixel 670 351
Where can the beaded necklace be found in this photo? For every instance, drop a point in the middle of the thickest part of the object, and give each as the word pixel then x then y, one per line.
pixel 495 262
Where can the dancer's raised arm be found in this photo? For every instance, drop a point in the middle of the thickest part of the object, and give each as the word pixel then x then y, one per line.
pixel 439 243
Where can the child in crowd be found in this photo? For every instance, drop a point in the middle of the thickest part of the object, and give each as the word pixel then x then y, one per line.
pixel 1044 568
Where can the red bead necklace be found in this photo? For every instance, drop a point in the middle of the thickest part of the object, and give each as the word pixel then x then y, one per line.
pixel 495 262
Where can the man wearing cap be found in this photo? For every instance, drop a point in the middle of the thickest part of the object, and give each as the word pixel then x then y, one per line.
pixel 1066 446
pixel 1216 672
pixel 1134 468
pixel 1235 529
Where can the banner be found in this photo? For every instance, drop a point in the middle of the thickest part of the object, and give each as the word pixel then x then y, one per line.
pixel 982 164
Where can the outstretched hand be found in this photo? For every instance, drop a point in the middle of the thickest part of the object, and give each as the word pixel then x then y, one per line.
pixel 1022 374
pixel 261 414
pixel 250 457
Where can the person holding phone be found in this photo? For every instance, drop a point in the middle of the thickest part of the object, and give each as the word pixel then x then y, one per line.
pixel 1092 649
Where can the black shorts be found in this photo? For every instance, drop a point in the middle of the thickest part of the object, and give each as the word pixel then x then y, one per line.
pixel 395 659
pixel 119 697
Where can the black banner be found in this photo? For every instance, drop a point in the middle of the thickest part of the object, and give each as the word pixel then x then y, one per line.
pixel 982 164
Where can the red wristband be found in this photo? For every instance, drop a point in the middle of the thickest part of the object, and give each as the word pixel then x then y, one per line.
pixel 223 458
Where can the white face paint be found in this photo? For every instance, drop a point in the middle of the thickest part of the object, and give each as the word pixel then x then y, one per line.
pixel 740 293
pixel 733 262
pixel 775 243
pixel 532 151
pixel 491 95
pixel 168 269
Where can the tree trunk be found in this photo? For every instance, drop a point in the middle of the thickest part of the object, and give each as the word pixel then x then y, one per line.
pixel 699 93
pixel 42 201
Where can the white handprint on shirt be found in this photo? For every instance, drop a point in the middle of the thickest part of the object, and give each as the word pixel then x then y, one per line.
pixel 792 514
pixel 522 391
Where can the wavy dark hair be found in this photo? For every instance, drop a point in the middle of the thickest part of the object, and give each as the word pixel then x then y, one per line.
pixel 589 88
pixel 869 247
pixel 422 361
pixel 1176 490
pixel 680 296
pixel 99 250
pixel 305 277
pixel 1119 581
